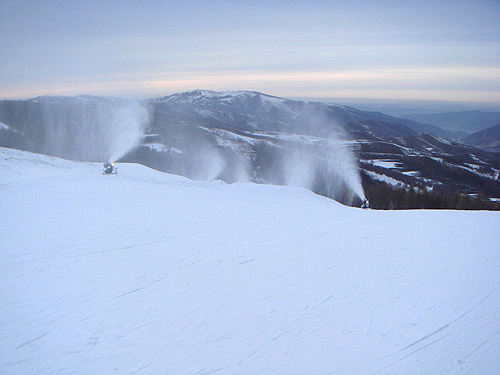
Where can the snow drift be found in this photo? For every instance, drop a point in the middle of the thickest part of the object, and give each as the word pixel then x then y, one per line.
pixel 149 273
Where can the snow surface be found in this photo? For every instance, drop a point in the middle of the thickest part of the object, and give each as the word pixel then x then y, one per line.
pixel 150 273
pixel 221 96
pixel 158 147
pixel 411 173
pixel 475 158
pixel 305 139
pixel 225 136
pixel 388 164
pixel 386 179
pixel 384 163
pixel 474 169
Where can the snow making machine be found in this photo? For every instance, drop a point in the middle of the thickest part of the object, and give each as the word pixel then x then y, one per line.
pixel 109 168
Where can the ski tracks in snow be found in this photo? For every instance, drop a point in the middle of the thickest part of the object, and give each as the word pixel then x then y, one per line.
pixel 422 342
pixel 167 276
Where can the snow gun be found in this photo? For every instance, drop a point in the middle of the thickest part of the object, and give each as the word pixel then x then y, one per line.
pixel 109 168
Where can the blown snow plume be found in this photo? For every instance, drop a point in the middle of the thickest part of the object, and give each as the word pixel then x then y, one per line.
pixel 328 168
pixel 270 142
pixel 325 165
pixel 83 128
pixel 128 123
pixel 340 176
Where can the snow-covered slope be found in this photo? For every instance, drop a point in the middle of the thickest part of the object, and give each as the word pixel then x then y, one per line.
pixel 149 273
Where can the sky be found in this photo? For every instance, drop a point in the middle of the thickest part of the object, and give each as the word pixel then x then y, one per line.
pixel 383 50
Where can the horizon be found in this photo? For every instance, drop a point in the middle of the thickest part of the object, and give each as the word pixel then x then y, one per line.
pixel 444 52
pixel 394 107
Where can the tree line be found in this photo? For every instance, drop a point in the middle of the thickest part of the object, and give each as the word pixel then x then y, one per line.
pixel 386 197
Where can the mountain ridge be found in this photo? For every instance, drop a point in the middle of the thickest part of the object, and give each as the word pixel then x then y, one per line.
pixel 249 136
pixel 462 121
pixel 487 139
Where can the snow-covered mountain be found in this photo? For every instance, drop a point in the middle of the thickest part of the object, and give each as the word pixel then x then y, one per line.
pixel 250 110
pixel 154 273
pixel 262 133
pixel 250 136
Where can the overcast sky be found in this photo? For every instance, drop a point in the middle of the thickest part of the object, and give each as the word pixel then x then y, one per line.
pixel 416 50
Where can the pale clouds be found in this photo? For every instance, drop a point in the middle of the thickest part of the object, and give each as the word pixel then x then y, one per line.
pixel 445 51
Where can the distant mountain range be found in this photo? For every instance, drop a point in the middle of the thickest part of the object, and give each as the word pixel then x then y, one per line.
pixel 467 122
pixel 250 136
pixel 487 139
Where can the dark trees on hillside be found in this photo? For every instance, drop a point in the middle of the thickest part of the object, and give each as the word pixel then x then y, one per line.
pixel 383 196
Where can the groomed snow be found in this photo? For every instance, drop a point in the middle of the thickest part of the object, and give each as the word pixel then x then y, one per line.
pixel 149 273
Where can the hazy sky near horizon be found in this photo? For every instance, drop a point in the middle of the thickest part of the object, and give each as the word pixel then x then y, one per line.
pixel 425 50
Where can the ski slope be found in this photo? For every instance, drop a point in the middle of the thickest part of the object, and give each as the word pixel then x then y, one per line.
pixel 150 273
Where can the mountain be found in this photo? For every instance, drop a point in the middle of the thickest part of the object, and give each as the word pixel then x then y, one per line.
pixel 153 273
pixel 249 136
pixel 487 139
pixel 264 135
pixel 250 110
pixel 465 121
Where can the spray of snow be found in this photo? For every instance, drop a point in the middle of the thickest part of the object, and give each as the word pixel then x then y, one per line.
pixel 323 163
pixel 90 129
pixel 343 168
pixel 106 129
pixel 126 130
pixel 209 164
pixel 299 169
pixel 327 167
pixel 330 170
